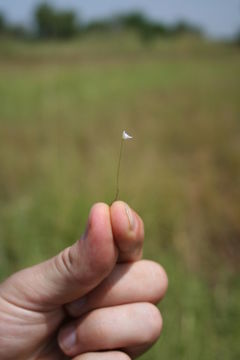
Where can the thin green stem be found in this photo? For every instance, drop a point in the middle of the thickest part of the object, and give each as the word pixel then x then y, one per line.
pixel 118 170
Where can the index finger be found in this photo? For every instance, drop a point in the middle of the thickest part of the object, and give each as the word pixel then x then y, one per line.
pixel 128 231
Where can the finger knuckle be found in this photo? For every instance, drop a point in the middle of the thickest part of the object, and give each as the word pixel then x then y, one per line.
pixel 64 263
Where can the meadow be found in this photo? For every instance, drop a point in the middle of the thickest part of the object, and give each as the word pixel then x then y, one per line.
pixel 63 106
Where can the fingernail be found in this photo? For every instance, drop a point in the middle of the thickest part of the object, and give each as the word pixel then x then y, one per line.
pixel 68 338
pixel 130 217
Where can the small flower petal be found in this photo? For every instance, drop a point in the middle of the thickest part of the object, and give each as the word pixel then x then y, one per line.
pixel 125 135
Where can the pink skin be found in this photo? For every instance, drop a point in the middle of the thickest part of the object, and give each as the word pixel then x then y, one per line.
pixel 90 281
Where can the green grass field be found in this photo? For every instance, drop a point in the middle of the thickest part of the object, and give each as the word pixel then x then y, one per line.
pixel 63 107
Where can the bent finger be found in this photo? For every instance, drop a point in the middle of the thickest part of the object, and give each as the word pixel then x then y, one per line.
pixel 141 281
pixel 118 327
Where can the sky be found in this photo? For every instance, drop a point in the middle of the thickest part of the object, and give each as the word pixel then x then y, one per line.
pixel 217 18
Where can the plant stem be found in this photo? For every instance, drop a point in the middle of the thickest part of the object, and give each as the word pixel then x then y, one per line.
pixel 118 170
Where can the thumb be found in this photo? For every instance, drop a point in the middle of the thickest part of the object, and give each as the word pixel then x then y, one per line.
pixel 70 274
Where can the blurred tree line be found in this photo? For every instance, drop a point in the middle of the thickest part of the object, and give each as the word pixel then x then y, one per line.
pixel 50 23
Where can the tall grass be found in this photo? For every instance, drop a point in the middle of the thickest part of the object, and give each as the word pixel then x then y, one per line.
pixel 62 110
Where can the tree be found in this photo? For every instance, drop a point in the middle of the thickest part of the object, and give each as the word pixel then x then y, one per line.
pixel 2 23
pixel 132 21
pixel 146 29
pixel 55 24
pixel 65 26
pixel 44 17
pixel 183 27
pixel 236 39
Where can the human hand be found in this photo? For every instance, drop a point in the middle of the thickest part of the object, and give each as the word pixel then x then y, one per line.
pixel 34 302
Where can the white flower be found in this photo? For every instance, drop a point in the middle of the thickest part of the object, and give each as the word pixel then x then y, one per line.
pixel 125 136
